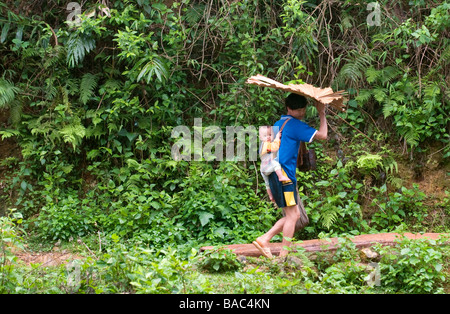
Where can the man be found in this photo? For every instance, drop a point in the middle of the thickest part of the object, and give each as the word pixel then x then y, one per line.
pixel 284 194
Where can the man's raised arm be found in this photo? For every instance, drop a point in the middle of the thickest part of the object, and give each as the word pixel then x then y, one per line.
pixel 322 133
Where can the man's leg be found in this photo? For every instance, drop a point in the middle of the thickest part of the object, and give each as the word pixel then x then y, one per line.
pixel 292 215
pixel 264 240
pixel 285 225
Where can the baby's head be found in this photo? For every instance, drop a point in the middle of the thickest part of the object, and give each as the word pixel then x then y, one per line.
pixel 265 133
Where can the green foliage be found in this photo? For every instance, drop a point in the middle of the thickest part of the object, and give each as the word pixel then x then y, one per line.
pixel 92 106
pixel 333 203
pixel 77 47
pixel 142 270
pixel 369 162
pixel 65 219
pixel 414 266
pixel 396 208
pixel 220 259
pixel 10 240
pixel 87 87
pixel 7 93
pixel 216 204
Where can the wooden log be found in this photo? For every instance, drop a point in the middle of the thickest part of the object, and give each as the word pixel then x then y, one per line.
pixel 317 245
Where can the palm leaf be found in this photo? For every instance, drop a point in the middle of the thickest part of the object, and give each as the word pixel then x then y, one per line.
pixel 324 95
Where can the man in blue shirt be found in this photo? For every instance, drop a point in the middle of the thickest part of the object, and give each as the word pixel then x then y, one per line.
pixel 284 194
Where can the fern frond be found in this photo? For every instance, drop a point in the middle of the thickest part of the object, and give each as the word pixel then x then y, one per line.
pixel 369 161
pixel 195 13
pixel 73 134
pixel 395 181
pixel 356 66
pixel 390 165
pixel 431 90
pixel 54 57
pixel 445 56
pixel 372 74
pixel 411 137
pixel 389 74
pixel 77 47
pixel 389 108
pixel 329 217
pixel 87 86
pixel 72 86
pixel 379 94
pixel 398 96
pixel 363 96
pixel 50 88
pixel 32 52
pixel 111 85
pixel 7 93
pixel 9 133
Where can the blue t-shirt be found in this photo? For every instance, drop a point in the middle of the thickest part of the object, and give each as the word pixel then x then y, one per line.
pixel 294 132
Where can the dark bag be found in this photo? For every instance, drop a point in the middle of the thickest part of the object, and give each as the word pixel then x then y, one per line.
pixel 306 159
pixel 304 220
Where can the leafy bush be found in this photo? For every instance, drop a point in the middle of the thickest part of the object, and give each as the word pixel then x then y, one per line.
pixel 69 217
pixel 10 241
pixel 220 259
pixel 413 266
pixel 332 201
pixel 399 207
pixel 139 269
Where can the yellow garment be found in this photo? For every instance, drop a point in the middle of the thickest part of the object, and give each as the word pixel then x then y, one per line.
pixel 270 147
pixel 289 198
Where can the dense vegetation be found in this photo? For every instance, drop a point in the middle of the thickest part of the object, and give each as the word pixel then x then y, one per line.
pixel 89 103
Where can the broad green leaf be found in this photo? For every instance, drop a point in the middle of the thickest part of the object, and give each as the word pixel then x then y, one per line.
pixel 205 217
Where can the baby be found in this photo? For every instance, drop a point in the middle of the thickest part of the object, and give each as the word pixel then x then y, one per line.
pixel 267 154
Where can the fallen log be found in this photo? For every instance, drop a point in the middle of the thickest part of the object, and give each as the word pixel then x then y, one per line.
pixel 331 244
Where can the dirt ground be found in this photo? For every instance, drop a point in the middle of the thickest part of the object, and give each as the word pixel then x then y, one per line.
pixel 46 258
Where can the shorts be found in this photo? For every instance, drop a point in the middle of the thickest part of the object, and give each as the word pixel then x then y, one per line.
pixel 284 193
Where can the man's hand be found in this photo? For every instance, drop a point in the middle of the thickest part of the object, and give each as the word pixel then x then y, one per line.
pixel 320 107
pixel 278 136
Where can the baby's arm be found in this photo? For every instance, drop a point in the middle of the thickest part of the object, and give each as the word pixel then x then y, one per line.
pixel 265 148
pixel 275 145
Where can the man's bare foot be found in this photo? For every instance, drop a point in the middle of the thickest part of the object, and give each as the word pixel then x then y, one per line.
pixel 262 241
pixel 263 247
